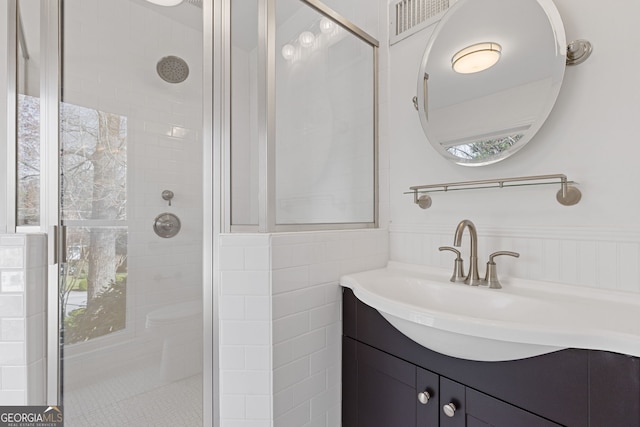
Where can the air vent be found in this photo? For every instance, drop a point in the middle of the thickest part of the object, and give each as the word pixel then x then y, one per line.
pixel 410 16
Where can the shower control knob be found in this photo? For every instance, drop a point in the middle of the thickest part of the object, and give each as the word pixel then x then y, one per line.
pixel 449 409
pixel 423 397
pixel 166 225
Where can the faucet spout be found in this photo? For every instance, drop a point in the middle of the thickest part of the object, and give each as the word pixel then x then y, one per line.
pixel 473 278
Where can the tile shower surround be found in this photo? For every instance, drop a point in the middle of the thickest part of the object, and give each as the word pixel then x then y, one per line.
pixel 281 325
pixel 163 139
pixel 22 319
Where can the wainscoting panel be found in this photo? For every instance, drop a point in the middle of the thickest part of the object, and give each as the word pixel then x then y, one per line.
pixel 597 258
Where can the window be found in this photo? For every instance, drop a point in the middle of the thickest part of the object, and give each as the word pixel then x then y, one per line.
pixel 93 197
pixel 28 155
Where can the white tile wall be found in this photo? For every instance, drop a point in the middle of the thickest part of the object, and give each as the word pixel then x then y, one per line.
pixel 281 323
pixel 22 319
pixel 245 331
pixel 111 65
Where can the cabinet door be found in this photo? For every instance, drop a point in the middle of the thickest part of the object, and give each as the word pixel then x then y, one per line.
pixel 427 413
pixel 452 404
pixel 383 391
pixel 386 390
pixel 475 409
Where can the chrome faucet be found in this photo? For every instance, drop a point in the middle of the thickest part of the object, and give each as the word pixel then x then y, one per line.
pixel 473 278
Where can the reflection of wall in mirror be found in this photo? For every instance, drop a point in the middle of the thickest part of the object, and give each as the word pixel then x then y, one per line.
pixel 497 114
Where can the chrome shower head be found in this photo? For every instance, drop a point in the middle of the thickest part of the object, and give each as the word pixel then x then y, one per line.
pixel 172 69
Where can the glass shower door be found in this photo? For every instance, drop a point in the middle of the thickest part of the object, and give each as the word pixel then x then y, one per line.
pixel 130 298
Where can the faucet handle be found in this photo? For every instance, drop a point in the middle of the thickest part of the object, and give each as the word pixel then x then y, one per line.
pixel 458 268
pixel 449 248
pixel 491 277
pixel 510 253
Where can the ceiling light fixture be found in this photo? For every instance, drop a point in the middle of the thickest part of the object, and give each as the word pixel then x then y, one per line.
pixel 476 58
pixel 166 2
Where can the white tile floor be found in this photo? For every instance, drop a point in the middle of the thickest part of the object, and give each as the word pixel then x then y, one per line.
pixel 134 399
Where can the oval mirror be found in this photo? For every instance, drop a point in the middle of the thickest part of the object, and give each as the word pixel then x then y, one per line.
pixel 489 77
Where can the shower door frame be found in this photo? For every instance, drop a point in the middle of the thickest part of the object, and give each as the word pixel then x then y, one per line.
pixel 50 92
pixel 266 95
pixel 50 193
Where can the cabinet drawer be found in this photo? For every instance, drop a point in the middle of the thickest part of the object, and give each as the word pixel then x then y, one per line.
pixel 476 409
pixel 497 413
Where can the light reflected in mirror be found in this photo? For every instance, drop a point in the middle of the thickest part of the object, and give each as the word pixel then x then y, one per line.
pixel 483 114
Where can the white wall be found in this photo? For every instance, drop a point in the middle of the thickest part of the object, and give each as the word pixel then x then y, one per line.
pixel 589 136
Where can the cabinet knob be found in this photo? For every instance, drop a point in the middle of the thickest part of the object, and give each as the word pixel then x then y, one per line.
pixel 449 410
pixel 424 397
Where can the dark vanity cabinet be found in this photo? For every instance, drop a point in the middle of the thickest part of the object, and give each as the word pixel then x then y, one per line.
pixel 390 381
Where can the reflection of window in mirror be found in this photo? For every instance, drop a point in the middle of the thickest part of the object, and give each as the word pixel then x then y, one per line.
pixel 28 113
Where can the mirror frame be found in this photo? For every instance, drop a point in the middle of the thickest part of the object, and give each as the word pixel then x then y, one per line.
pixel 556 26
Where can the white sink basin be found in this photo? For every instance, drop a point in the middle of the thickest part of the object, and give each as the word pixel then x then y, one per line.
pixel 523 319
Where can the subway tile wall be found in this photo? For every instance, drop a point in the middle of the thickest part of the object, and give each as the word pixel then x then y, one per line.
pixel 110 65
pixel 245 330
pixel 22 319
pixel 280 346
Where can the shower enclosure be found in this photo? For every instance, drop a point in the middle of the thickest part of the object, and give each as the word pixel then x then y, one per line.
pixel 132 120
pixel 130 123
pixel 110 119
